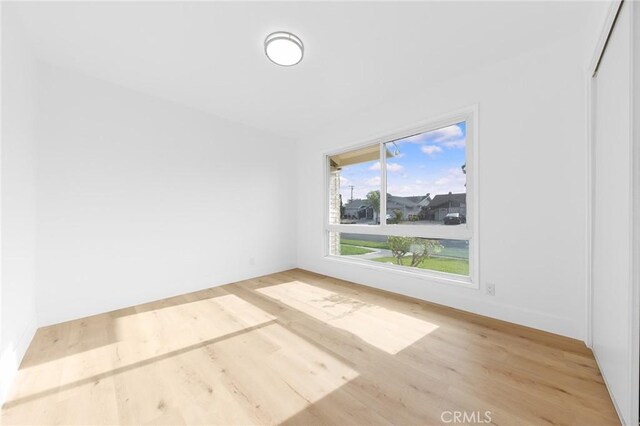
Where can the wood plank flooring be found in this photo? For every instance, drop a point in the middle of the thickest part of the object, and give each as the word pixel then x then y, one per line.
pixel 299 348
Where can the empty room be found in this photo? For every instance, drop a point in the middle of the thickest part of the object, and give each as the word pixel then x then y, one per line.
pixel 320 213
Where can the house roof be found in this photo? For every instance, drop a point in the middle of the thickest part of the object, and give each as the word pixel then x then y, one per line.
pixel 401 201
pixel 415 199
pixel 441 199
pixel 411 202
pixel 425 201
pixel 356 204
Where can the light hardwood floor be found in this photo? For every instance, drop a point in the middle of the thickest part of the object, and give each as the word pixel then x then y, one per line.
pixel 301 348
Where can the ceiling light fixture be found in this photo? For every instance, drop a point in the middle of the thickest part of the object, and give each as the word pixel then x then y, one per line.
pixel 283 48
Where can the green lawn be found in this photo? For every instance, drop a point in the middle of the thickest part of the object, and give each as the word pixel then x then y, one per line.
pixel 452 266
pixel 459 252
pixel 362 243
pixel 347 250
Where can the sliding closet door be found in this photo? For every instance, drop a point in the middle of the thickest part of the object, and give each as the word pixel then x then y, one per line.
pixel 611 238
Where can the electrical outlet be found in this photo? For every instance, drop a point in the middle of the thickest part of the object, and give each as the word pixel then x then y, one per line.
pixel 491 289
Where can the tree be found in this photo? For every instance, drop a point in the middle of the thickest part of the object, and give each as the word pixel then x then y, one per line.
pixel 399 247
pixel 373 198
pixel 397 217
pixel 423 248
pixel 420 249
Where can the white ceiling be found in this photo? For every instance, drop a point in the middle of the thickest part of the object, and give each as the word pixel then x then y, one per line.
pixel 210 55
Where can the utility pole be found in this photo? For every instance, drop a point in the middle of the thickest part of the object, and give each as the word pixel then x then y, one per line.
pixel 351 186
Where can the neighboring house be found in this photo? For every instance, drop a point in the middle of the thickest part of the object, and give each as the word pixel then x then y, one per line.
pixel 358 209
pixel 409 206
pixel 414 207
pixel 443 204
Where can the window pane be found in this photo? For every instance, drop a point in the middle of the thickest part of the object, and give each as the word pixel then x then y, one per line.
pixel 354 186
pixel 450 256
pixel 426 178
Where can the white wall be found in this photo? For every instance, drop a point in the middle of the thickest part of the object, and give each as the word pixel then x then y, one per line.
pixel 532 195
pixel 140 199
pixel 18 212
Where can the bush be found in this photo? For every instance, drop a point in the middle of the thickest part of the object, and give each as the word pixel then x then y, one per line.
pixel 397 217
pixel 420 248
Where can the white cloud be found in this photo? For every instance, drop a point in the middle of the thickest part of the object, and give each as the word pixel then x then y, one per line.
pixel 373 181
pixel 431 149
pixel 446 133
pixel 360 190
pixel 447 180
pixel 392 167
pixel 453 180
pixel 409 190
pixel 442 182
pixel 455 143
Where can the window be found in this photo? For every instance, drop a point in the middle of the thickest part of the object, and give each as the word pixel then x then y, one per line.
pixel 425 221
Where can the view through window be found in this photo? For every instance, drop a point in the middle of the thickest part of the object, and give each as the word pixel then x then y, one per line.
pixel 422 221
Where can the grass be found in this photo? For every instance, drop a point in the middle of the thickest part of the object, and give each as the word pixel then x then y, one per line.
pixel 458 252
pixel 363 243
pixel 348 250
pixel 452 266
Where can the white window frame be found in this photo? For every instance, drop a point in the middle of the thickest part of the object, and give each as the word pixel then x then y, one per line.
pixel 470 116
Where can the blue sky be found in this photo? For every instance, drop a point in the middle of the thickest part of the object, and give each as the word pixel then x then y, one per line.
pixel 427 163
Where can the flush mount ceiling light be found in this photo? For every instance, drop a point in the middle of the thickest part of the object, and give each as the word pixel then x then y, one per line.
pixel 283 48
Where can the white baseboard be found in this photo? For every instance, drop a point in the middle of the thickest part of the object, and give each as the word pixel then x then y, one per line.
pixel 51 314
pixel 514 314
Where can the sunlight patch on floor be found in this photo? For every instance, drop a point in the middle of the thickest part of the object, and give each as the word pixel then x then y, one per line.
pixel 175 327
pixel 279 372
pixel 383 328
pixel 261 376
pixel 141 338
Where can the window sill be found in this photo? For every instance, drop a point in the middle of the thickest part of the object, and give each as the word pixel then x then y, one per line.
pixel 439 277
